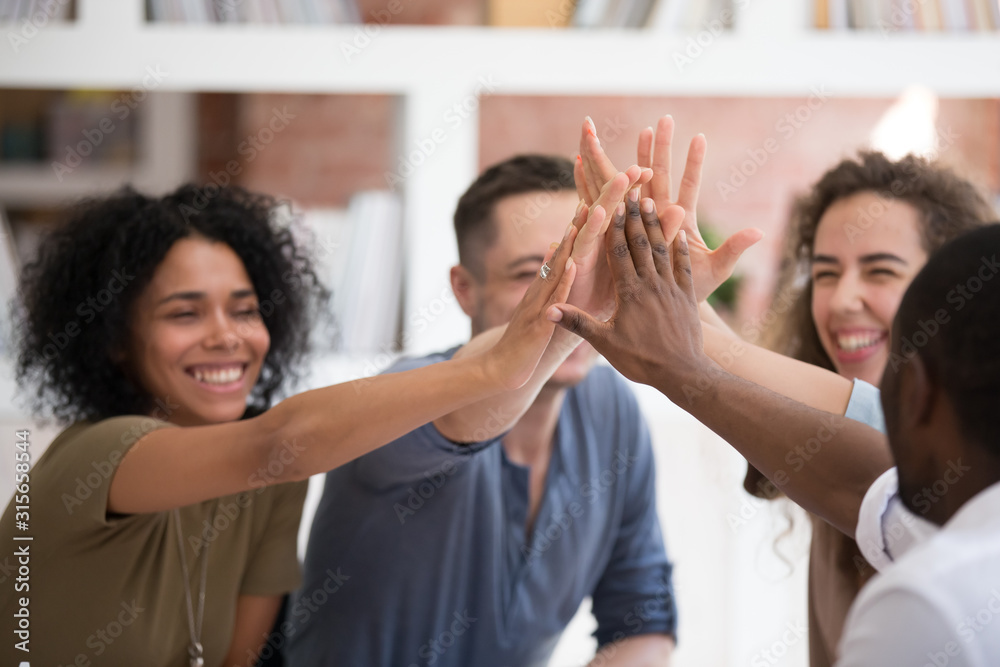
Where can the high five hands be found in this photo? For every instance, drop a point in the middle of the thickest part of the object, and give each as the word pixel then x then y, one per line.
pixel 593 170
pixel 654 334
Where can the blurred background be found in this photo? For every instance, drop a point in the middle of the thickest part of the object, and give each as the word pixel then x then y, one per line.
pixel 371 117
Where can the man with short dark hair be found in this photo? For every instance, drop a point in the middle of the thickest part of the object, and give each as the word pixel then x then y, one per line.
pixel 474 542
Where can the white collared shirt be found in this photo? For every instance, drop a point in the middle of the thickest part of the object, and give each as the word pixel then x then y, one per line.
pixel 939 604
pixel 886 528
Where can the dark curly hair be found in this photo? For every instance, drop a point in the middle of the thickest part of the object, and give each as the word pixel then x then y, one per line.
pixel 76 298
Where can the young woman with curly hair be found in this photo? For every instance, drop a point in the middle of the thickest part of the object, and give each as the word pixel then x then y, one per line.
pixel 856 241
pixel 163 520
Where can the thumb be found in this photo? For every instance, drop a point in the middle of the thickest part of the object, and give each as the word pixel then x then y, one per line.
pixel 577 321
pixel 733 248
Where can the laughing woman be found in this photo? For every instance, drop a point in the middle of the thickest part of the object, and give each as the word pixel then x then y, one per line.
pixel 164 518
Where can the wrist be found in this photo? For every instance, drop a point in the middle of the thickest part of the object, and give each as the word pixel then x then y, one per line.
pixel 488 371
pixel 683 383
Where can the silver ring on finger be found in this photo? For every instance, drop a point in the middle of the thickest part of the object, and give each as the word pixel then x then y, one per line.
pixel 544 271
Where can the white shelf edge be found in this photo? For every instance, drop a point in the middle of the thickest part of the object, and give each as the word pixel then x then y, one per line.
pixel 400 59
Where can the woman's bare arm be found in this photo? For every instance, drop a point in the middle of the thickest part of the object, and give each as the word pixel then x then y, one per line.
pixel 321 429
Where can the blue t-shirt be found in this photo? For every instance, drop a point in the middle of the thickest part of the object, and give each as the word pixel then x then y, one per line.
pixel 865 405
pixel 418 554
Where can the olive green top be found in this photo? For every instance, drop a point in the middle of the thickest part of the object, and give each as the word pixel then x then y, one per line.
pixel 108 589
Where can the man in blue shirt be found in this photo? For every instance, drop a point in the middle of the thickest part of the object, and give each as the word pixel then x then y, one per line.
pixel 474 541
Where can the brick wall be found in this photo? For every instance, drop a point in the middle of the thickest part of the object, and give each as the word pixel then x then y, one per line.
pixel 338 144
pixel 807 145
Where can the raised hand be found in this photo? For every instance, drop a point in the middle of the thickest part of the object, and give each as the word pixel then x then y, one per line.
pixel 593 169
pixel 710 267
pixel 514 357
pixel 592 288
pixel 654 335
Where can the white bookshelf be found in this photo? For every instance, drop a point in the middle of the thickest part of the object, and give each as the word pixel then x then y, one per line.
pixel 163 159
pixel 771 52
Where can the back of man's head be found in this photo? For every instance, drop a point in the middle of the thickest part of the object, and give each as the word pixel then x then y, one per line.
pixel 950 318
pixel 474 220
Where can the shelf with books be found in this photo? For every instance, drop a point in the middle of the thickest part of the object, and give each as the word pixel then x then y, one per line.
pixel 83 142
pixel 903 16
pixel 439 73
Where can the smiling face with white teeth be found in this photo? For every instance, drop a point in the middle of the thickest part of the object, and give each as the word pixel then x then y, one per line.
pixel 197 337
pixel 867 250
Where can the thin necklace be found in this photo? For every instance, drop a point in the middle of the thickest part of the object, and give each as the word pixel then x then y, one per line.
pixel 195 650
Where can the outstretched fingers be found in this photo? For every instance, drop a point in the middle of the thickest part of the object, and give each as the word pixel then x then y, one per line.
pixel 691 180
pixel 590 233
pixel 644 155
pixel 659 187
pixel 597 167
pixel 638 240
pixel 619 253
pixel 658 244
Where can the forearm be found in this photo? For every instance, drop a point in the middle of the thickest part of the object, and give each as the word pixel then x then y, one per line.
pixel 498 413
pixel 328 427
pixel 822 461
pixel 307 434
pixel 814 386
pixel 641 651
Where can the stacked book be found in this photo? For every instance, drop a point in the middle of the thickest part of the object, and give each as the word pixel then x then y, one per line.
pixel 38 11
pixel 889 16
pixel 359 256
pixel 254 11
pixel 660 15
